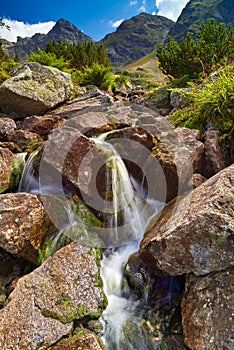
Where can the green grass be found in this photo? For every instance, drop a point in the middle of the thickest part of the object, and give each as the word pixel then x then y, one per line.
pixel 210 105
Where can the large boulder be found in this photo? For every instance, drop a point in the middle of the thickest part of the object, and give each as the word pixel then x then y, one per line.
pixel 6 160
pixel 24 224
pixel 76 159
pixel 179 153
pixel 33 89
pixel 44 305
pixel 195 233
pixel 207 311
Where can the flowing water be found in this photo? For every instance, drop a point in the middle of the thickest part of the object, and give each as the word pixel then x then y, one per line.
pixel 128 212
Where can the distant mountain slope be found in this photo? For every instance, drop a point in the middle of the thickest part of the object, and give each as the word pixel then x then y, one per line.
pixel 195 12
pixel 63 30
pixel 136 37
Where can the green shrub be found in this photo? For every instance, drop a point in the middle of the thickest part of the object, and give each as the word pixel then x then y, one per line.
pixel 214 46
pixel 97 75
pixel 210 104
pixel 48 59
pixel 5 69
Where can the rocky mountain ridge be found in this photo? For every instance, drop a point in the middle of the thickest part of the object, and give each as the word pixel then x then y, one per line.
pixel 63 30
pixel 195 12
pixel 135 37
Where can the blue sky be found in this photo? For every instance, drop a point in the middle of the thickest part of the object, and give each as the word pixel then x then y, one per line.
pixel 94 18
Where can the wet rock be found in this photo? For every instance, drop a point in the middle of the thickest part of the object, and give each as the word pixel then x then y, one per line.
pixel 84 341
pixel 79 160
pixel 6 160
pixel 194 233
pixel 6 125
pixel 44 304
pixel 24 224
pixel 42 125
pixel 26 140
pixel 33 89
pixel 207 311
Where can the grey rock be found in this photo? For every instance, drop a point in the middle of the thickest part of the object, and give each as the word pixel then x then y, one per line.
pixel 33 89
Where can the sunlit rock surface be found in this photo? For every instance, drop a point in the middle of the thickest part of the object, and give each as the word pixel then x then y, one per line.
pixel 44 304
pixel 24 224
pixel 195 233
pixel 207 311
pixel 33 89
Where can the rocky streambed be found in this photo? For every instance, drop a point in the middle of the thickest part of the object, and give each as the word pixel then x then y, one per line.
pixel 53 239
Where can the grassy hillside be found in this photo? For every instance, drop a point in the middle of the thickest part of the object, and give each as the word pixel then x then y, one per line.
pixel 145 72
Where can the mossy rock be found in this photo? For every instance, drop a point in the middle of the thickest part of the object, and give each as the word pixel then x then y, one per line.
pixel 159 99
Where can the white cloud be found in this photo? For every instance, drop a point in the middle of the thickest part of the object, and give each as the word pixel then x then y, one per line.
pixel 132 3
pixel 143 8
pixel 116 23
pixel 22 29
pixel 170 8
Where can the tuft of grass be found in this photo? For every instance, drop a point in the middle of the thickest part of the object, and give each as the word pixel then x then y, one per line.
pixel 211 104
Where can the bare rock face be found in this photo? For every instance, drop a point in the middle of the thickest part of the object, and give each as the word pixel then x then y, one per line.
pixel 6 125
pixel 42 125
pixel 44 304
pixel 77 159
pixel 33 89
pixel 25 140
pixel 6 160
pixel 24 224
pixel 90 99
pixel 92 123
pixel 179 154
pixel 195 233
pixel 207 311
pixel 214 157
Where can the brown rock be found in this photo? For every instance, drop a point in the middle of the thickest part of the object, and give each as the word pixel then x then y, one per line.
pixel 197 180
pixel 214 158
pixel 26 140
pixel 44 304
pixel 24 224
pixel 92 97
pixel 6 159
pixel 79 160
pixel 207 311
pixel 195 233
pixel 6 125
pixel 179 154
pixel 42 125
pixel 190 139
pixel 87 341
pixel 91 123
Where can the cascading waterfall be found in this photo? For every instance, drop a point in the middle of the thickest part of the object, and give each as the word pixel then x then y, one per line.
pixel 128 212
pixel 136 212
